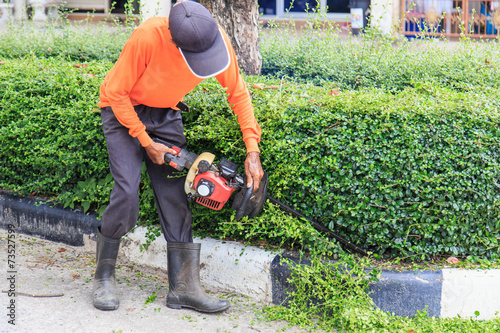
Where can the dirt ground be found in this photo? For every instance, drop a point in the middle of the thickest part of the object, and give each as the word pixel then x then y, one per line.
pixel 53 285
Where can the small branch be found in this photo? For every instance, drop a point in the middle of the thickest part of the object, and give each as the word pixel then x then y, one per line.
pixel 378 206
pixel 33 295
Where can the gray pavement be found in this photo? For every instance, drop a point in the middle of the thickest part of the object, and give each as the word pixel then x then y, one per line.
pixel 53 282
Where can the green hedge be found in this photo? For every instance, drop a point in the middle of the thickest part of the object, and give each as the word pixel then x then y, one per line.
pixel 412 173
pixel 49 134
pixel 407 173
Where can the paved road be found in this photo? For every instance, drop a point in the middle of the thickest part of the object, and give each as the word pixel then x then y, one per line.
pixel 53 282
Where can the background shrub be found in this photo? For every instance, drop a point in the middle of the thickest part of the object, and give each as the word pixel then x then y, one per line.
pixel 71 40
pixel 312 55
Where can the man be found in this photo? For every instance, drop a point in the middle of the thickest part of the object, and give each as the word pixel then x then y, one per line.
pixel 163 60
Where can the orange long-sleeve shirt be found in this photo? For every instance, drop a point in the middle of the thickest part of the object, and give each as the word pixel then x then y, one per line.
pixel 151 71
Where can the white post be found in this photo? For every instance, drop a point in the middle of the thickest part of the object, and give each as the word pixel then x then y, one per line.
pixel 381 15
pixel 20 10
pixel 153 8
pixel 357 23
pixel 39 9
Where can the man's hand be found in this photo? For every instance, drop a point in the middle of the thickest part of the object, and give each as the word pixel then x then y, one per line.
pixel 253 170
pixel 156 152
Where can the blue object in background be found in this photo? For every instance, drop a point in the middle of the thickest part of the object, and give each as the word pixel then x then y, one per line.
pixel 419 25
pixel 490 27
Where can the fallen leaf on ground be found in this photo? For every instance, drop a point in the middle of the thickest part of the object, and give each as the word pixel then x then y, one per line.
pixel 272 87
pixel 80 65
pixel 62 249
pixel 88 75
pixel 75 276
pixel 334 92
pixel 452 260
pixel 258 86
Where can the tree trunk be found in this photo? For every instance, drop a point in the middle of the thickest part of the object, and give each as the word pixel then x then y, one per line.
pixel 239 19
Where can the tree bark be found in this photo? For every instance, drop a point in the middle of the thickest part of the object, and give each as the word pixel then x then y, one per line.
pixel 240 20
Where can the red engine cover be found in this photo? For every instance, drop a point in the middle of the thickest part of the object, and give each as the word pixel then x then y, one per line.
pixel 221 191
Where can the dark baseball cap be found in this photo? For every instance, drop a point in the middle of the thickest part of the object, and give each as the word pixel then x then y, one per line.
pixel 198 37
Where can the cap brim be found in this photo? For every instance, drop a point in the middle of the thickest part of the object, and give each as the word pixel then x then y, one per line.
pixel 211 62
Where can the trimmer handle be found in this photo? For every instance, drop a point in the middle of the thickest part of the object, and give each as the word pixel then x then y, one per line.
pixel 250 203
pixel 241 210
pixel 182 159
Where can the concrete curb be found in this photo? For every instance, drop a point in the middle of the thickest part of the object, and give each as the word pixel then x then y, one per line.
pixel 227 265
pixel 262 275
pixel 32 217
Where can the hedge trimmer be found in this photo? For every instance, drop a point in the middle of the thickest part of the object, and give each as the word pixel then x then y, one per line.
pixel 212 184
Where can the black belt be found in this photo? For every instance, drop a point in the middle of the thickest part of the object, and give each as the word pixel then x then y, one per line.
pixel 183 107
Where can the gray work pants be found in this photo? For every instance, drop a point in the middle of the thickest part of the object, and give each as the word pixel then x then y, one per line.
pixel 126 156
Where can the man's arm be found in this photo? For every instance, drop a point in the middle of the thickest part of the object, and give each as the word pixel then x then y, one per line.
pixel 240 101
pixel 122 78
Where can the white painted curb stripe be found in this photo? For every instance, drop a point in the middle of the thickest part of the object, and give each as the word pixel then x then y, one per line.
pixel 466 291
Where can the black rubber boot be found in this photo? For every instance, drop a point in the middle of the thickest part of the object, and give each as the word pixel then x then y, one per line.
pixel 185 289
pixel 105 295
